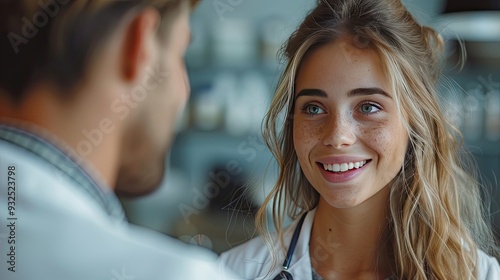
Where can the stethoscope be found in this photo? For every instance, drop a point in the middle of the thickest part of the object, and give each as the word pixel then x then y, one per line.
pixel 284 274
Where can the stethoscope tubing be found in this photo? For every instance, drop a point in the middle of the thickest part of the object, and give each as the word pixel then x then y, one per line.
pixel 285 275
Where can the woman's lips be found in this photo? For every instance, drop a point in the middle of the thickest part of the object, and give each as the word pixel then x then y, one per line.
pixel 342 167
pixel 339 176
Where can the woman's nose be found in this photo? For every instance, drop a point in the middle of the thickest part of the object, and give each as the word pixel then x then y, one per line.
pixel 339 131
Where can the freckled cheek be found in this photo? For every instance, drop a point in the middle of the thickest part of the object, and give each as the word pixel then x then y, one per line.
pixel 305 137
pixel 399 142
pixel 371 133
pixel 388 141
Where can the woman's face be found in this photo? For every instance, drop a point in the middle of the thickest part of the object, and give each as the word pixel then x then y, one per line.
pixel 347 133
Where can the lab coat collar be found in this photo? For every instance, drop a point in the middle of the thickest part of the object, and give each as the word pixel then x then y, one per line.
pixel 65 161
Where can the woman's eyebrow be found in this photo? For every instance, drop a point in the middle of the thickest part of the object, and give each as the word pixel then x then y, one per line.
pixel 312 92
pixel 352 93
pixel 368 91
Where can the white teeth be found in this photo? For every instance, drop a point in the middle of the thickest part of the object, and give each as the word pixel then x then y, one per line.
pixel 336 168
pixel 342 167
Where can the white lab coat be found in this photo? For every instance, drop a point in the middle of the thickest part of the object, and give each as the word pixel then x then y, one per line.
pixel 252 260
pixel 62 233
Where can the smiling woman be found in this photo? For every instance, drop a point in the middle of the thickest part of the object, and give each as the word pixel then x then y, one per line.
pixel 343 117
pixel 367 159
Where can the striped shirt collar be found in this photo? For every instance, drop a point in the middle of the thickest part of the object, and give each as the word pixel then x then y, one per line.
pixel 66 162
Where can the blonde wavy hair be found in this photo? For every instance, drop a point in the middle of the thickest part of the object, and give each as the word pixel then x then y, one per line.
pixel 437 219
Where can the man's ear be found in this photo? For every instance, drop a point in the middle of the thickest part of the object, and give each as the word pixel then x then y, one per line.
pixel 138 48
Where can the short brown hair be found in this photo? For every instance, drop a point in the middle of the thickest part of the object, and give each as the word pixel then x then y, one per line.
pixel 53 39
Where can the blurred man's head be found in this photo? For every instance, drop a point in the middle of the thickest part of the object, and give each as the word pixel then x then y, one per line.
pixel 110 72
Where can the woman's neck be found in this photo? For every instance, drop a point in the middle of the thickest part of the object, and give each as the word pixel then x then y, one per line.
pixel 351 243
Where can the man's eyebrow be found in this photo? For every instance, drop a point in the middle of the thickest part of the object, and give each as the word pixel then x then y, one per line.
pixel 368 91
pixel 311 92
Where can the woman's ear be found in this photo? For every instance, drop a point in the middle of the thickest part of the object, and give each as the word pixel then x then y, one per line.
pixel 139 43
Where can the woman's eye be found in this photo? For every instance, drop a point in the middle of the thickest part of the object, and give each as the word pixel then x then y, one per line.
pixel 369 108
pixel 313 110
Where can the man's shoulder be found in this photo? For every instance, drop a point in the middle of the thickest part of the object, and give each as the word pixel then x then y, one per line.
pixel 61 228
